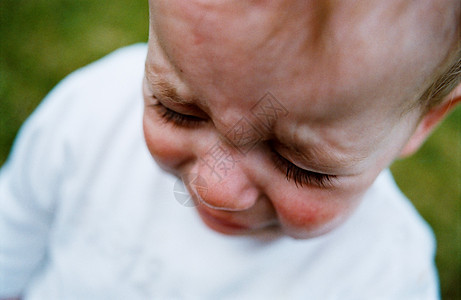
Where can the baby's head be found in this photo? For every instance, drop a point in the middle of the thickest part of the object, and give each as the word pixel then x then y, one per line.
pixel 289 110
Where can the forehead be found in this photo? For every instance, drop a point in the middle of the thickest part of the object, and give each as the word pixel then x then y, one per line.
pixel 242 48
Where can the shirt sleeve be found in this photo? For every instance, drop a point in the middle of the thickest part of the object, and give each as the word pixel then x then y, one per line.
pixel 29 189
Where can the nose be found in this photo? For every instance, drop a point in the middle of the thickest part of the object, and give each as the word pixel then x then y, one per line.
pixel 228 186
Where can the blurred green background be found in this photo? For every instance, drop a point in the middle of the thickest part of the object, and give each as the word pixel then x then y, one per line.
pixel 42 41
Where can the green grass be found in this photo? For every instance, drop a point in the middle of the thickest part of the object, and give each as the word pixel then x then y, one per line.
pixel 44 40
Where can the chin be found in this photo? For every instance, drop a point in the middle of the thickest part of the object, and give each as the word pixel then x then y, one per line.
pixel 304 235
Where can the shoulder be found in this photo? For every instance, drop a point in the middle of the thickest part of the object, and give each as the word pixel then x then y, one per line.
pixel 100 83
pixel 94 90
pixel 125 61
pixel 123 67
pixel 76 120
pixel 90 100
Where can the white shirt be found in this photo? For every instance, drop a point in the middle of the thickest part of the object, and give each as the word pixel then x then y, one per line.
pixel 85 213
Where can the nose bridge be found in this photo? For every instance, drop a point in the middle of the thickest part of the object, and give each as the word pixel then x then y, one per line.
pixel 228 184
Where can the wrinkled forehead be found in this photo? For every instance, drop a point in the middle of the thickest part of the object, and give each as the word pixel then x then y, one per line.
pixel 250 46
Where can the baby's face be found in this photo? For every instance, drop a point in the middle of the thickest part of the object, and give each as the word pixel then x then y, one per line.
pixel 287 110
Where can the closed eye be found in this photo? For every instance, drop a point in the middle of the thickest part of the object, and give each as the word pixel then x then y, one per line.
pixel 300 176
pixel 175 118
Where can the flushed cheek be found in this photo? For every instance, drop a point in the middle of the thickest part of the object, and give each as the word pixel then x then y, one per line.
pixel 168 149
pixel 311 218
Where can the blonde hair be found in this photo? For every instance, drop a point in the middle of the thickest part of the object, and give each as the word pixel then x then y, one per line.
pixel 448 79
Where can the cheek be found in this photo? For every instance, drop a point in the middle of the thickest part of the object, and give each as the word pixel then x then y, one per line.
pixel 314 214
pixel 169 149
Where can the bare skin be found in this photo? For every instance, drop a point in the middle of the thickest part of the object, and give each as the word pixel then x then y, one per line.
pixel 344 71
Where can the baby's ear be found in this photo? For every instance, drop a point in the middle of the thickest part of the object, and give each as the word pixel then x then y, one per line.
pixel 430 120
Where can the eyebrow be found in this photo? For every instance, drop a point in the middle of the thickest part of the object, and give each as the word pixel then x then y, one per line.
pixel 164 89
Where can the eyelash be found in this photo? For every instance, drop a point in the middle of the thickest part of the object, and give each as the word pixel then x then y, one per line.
pixel 175 118
pixel 299 176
